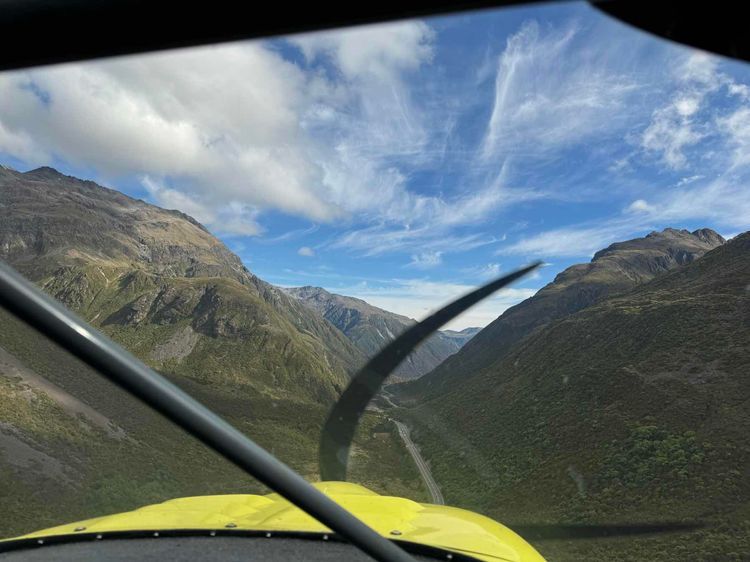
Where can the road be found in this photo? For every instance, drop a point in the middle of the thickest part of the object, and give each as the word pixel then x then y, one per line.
pixel 424 470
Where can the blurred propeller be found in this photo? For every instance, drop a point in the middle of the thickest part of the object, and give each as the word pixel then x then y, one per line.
pixel 341 424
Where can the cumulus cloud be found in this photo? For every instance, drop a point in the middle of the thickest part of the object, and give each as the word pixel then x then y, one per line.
pixel 669 133
pixel 306 251
pixel 231 130
pixel 686 119
pixel 639 206
pixel 372 51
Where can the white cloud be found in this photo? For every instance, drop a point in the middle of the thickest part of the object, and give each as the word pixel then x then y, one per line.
pixel 670 132
pixel 430 222
pixel 381 239
pixel 185 115
pixel 228 131
pixel 426 260
pixel 234 218
pixel 374 127
pixel 173 199
pixel 740 90
pixel 639 206
pixel 686 106
pixel 736 127
pixel 292 234
pixel 483 272
pixel 549 93
pixel 689 179
pixel 574 241
pixel 417 298
pixel 375 51
pixel 699 68
pixel 306 251
pixel 724 201
pixel 687 118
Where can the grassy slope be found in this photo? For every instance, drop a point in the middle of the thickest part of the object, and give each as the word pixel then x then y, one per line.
pixel 162 286
pixel 102 474
pixel 612 271
pixel 634 409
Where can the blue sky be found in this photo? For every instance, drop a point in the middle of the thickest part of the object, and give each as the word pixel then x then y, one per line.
pixel 406 163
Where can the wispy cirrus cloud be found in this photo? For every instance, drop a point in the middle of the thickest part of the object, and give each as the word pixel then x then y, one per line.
pixel 381 239
pixel 483 272
pixel 426 260
pixel 724 201
pixel 550 92
pixel 435 223
pixel 575 241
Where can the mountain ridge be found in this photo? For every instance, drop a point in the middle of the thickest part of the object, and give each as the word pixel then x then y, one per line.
pixel 93 247
pixel 614 270
pixel 370 328
pixel 631 409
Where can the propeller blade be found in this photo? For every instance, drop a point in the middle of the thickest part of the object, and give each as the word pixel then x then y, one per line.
pixel 341 424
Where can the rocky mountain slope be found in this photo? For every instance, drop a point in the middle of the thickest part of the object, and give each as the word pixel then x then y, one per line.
pixel 612 271
pixel 161 285
pixel 633 409
pixel 158 280
pixel 370 328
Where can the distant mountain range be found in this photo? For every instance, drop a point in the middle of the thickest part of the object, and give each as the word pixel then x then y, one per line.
pixel 618 394
pixel 370 328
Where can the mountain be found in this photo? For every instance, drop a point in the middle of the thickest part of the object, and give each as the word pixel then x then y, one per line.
pixel 161 285
pixel 370 328
pixel 129 267
pixel 633 409
pixel 461 337
pixel 612 271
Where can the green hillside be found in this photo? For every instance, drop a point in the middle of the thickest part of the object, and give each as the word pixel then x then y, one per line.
pixel 634 409
pixel 612 271
pixel 156 281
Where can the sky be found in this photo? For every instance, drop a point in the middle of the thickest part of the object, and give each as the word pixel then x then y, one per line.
pixel 407 163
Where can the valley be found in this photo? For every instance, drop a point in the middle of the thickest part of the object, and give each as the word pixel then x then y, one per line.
pixel 617 394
